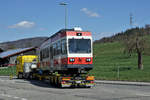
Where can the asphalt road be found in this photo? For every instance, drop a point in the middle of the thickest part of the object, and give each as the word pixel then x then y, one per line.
pixel 36 90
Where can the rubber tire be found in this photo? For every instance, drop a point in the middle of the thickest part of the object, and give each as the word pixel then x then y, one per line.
pixel 30 76
pixel 20 75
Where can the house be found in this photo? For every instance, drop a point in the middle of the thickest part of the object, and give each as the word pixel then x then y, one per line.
pixel 8 58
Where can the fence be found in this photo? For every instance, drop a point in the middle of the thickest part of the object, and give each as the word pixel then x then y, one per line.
pixel 8 71
pixel 126 73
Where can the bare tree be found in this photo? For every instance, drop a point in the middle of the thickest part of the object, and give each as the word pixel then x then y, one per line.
pixel 136 44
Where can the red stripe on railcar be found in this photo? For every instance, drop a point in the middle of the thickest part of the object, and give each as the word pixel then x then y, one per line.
pixel 63 34
pixel 72 33
pixel 77 60
pixel 80 60
pixel 68 33
pixel 64 61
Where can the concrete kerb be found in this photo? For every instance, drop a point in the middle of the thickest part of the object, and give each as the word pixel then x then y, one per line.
pixel 4 76
pixel 122 83
pixel 105 82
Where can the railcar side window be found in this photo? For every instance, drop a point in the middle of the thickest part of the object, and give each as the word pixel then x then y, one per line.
pixel 63 47
pixel 47 52
pixel 51 52
pixel 44 53
pixel 41 55
pixel 54 49
pixel 58 48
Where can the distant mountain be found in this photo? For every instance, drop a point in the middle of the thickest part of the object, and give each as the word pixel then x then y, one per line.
pixel 23 43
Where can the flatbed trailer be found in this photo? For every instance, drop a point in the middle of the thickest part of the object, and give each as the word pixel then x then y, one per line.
pixel 66 80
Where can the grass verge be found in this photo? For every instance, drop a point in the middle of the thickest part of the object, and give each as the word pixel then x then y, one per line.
pixel 6 71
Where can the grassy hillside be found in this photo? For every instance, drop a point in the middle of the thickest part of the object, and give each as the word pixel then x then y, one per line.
pixel 109 56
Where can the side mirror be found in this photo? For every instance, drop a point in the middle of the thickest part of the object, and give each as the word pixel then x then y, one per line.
pixel 16 62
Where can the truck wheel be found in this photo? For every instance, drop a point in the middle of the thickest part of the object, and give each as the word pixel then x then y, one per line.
pixel 20 76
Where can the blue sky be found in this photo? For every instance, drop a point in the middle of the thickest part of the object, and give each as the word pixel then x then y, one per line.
pixel 31 18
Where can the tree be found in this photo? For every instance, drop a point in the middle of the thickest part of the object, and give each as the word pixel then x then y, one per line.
pixel 138 44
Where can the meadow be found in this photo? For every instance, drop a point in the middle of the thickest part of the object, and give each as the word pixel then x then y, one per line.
pixel 111 63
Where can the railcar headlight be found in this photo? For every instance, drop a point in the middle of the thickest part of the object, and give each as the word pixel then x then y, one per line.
pixel 88 59
pixel 33 66
pixel 71 59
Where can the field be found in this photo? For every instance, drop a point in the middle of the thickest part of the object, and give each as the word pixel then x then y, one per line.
pixel 110 63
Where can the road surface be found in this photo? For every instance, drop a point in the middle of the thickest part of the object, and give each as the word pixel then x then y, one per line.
pixel 36 90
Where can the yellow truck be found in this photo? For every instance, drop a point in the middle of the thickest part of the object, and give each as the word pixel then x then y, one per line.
pixel 25 65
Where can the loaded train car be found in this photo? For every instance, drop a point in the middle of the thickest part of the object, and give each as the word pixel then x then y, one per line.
pixel 68 53
pixel 65 59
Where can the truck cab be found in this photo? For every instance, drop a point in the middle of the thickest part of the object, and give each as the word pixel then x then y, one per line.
pixel 25 64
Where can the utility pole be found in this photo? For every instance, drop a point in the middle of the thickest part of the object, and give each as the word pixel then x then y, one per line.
pixel 131 20
pixel 65 5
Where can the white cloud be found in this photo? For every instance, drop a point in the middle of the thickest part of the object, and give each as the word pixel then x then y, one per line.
pixel 90 13
pixel 23 24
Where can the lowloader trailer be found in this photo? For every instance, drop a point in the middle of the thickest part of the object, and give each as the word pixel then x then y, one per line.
pixel 65 59
pixel 66 80
pixel 27 69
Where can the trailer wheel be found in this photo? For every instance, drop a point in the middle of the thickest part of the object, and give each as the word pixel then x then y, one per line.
pixel 59 85
pixel 30 76
pixel 88 86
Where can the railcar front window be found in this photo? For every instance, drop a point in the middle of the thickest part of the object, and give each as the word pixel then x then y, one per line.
pixel 79 46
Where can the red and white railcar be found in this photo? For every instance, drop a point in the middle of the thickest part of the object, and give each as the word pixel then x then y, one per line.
pixel 67 51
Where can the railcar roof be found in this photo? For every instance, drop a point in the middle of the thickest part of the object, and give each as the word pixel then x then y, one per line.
pixel 62 30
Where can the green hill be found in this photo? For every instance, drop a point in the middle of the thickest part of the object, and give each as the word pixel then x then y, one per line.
pixel 108 57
